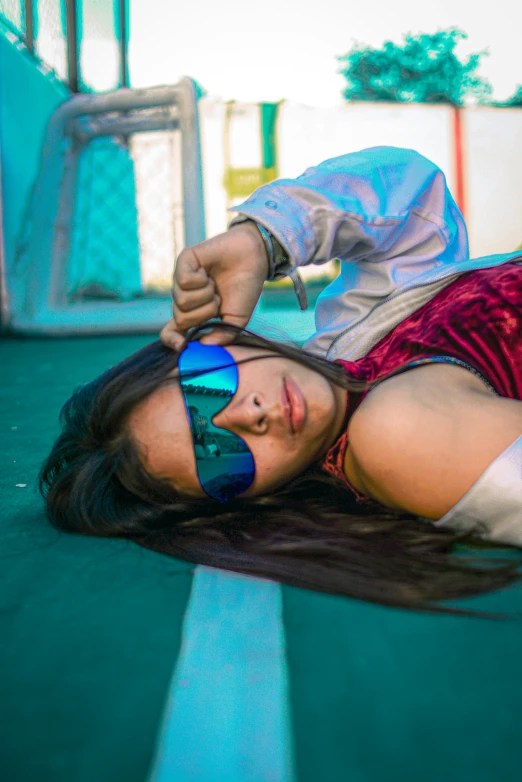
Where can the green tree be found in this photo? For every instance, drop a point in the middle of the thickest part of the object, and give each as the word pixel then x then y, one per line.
pixel 514 101
pixel 424 69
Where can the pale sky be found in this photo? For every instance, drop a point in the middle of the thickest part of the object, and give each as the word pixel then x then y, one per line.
pixel 286 49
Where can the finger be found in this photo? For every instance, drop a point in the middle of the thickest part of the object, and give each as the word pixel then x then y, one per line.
pixel 185 320
pixel 188 273
pixel 187 300
pixel 171 337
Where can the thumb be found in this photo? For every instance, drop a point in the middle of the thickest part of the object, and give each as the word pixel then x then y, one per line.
pixel 171 337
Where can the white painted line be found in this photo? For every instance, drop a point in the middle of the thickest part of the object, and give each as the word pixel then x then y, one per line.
pixel 227 717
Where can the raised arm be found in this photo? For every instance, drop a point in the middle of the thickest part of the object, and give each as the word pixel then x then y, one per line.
pixel 386 212
pixel 380 203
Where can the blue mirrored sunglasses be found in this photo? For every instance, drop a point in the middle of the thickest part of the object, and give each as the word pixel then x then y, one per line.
pixel 209 380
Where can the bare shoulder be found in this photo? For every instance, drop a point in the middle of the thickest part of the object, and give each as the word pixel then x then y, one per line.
pixel 419 441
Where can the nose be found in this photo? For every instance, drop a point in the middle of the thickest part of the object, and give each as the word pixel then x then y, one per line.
pixel 246 414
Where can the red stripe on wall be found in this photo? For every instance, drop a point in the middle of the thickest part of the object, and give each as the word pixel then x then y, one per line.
pixel 458 160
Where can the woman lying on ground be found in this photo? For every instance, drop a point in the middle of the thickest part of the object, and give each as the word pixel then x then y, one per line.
pixel 357 466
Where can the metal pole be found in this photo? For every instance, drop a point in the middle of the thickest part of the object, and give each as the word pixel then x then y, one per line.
pixel 124 65
pixel 29 25
pixel 72 45
pixel 459 159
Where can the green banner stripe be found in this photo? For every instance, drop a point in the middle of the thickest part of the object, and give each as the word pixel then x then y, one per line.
pixel 269 133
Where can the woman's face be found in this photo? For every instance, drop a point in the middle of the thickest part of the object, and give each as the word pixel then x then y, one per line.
pixel 288 415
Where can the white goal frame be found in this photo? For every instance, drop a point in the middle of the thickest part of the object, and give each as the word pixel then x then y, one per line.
pixel 37 296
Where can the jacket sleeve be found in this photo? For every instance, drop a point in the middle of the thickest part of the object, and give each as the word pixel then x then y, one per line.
pixel 382 206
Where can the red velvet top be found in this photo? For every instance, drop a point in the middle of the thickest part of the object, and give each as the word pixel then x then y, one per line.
pixel 476 320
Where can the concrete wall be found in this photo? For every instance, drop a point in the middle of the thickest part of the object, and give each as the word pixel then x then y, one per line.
pixel 308 135
pixel 493 178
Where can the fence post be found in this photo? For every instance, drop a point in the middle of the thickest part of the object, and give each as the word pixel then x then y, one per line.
pixel 458 157
pixel 72 45
pixel 123 37
pixel 29 25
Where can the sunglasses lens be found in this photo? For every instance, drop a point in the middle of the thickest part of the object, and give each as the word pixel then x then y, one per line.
pixel 209 380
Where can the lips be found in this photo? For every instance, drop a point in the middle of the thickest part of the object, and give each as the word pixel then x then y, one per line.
pixel 293 405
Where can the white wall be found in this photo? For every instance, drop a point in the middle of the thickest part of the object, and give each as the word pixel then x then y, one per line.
pixel 212 125
pixel 493 163
pixel 309 135
pixel 245 152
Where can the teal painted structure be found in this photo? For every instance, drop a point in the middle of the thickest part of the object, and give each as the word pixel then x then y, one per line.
pixel 93 635
pixel 105 249
pixel 28 97
pixel 90 632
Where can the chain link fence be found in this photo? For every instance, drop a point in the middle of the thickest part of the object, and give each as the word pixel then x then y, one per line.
pixel 104 259
pixel 12 12
pixel 127 225
pixel 50 40
pixel 83 44
pixel 159 199
pixel 44 32
pixel 99 46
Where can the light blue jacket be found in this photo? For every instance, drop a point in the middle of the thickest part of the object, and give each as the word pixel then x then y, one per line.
pixel 388 215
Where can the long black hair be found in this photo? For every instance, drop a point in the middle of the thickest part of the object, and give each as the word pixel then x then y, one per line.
pixel 311 533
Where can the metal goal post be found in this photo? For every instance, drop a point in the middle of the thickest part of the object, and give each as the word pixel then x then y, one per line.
pixel 119 193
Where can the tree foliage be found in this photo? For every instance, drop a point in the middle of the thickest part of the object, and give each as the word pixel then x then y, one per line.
pixel 514 101
pixel 424 69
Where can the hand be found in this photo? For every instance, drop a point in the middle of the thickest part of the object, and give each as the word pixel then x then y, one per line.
pixel 220 277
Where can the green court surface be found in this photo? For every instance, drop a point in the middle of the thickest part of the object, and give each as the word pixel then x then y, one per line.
pixel 91 633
